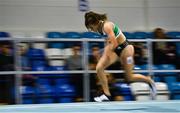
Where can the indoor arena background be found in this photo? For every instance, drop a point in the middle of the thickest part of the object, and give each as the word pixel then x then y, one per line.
pixel 47 56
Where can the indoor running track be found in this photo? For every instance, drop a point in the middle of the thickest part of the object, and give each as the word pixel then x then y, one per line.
pixel 170 106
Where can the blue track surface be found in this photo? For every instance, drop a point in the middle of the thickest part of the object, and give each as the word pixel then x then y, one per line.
pixel 91 107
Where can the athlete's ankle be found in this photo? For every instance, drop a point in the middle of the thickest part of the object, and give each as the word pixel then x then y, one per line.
pixel 107 94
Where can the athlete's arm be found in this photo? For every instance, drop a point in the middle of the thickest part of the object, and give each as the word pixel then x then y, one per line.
pixel 108 29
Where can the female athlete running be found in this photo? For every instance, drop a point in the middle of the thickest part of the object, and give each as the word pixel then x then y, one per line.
pixel 117 48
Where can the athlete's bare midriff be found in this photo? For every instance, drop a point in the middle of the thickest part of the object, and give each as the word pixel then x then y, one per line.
pixel 119 39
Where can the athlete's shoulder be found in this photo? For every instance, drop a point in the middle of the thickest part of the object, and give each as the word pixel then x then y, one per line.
pixel 108 25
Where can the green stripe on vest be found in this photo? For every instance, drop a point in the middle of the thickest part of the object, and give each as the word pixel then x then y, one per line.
pixel 116 30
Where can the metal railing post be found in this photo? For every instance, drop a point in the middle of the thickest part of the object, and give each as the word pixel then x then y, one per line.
pixel 150 57
pixel 86 83
pixel 18 77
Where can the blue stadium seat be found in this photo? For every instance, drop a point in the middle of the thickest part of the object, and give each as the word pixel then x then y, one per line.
pixel 141 67
pixel 137 67
pixel 150 35
pixel 124 90
pixel 43 81
pixel 170 79
pixel 36 53
pixel 38 68
pixel 38 65
pixel 175 90
pixel 45 93
pixel 173 34
pixel 166 67
pixel 4 34
pixel 61 81
pixel 38 62
pixel 91 35
pixel 57 68
pixel 140 35
pixel 178 48
pixel 99 44
pixel 65 100
pixel 128 35
pixel 56 45
pixel 176 97
pixel 65 90
pixel 54 35
pixel 173 86
pixel 157 79
pixel 72 35
pixel 28 94
pixel 65 93
pixel 154 67
pixel 144 67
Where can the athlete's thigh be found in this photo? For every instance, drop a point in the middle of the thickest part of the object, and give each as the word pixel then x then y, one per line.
pixel 127 55
pixel 127 60
pixel 108 58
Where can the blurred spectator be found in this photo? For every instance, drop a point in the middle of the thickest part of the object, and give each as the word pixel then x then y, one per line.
pixel 94 57
pixel 140 55
pixel 25 63
pixel 74 62
pixel 163 52
pixel 27 80
pixel 6 56
pixel 6 64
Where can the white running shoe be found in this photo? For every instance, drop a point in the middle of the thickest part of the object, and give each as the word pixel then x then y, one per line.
pixel 102 98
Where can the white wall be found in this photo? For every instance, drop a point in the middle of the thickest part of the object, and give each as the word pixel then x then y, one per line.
pixel 63 15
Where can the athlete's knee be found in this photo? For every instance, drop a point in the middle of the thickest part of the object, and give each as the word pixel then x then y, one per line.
pixel 129 77
pixel 99 69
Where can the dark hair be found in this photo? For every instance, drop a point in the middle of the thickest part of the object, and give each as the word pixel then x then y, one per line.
pixel 158 31
pixel 92 18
